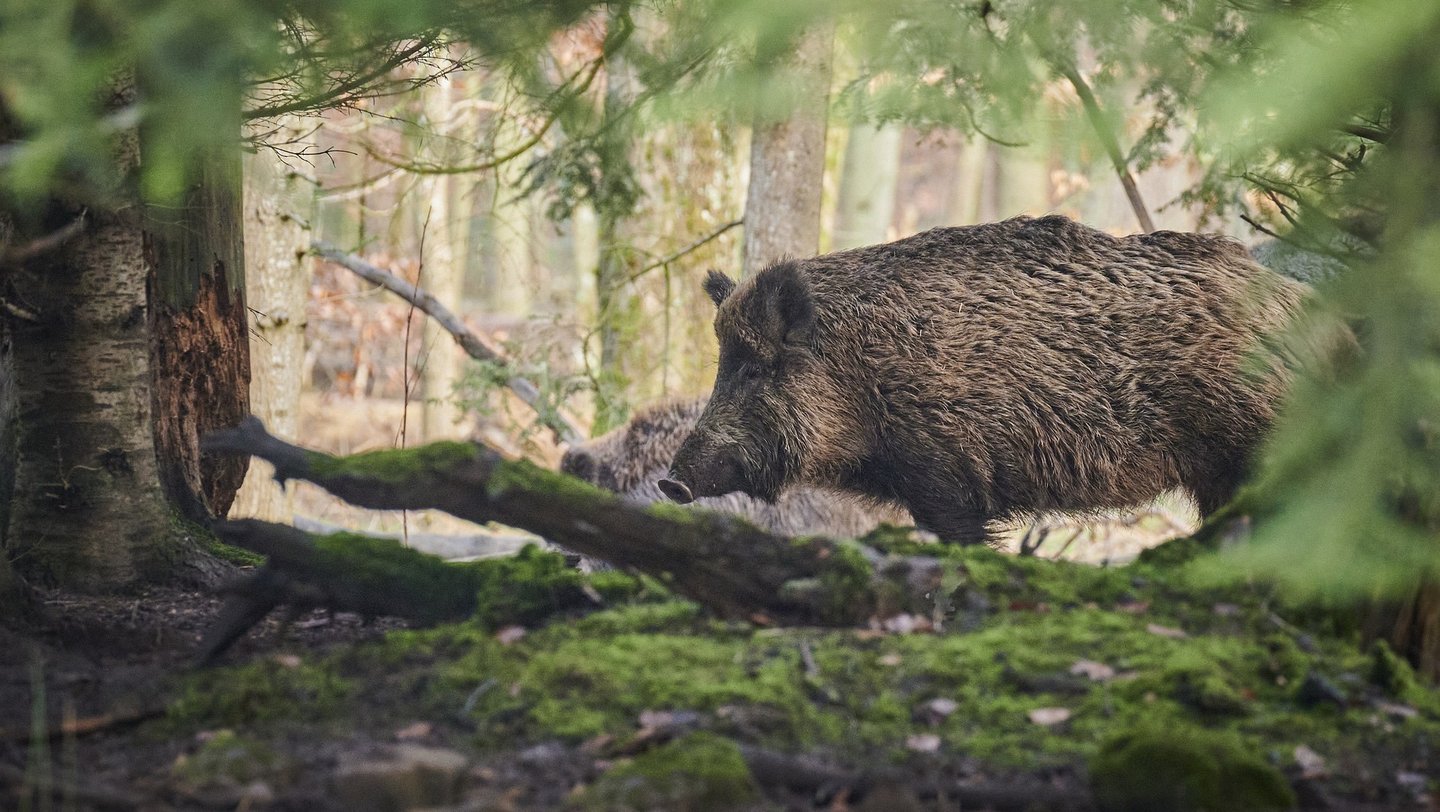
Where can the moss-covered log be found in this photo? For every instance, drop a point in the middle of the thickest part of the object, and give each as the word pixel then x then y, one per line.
pixel 720 561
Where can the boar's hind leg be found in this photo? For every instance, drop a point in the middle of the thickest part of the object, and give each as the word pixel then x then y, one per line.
pixel 958 524
pixel 1214 489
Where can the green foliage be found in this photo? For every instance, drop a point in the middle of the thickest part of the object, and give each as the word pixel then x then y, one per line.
pixel 62 64
pixel 483 383
pixel 1348 489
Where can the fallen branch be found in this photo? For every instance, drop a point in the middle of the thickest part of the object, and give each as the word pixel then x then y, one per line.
pixel 718 560
pixel 474 345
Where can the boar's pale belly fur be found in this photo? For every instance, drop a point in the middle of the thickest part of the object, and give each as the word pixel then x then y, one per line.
pixel 630 459
pixel 984 372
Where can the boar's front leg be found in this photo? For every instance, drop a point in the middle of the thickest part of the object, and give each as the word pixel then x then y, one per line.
pixel 951 521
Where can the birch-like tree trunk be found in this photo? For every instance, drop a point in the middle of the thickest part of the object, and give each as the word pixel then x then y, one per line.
pixel 87 509
pixel 443 277
pixel 787 164
pixel 279 210
pixel 132 354
pixel 867 186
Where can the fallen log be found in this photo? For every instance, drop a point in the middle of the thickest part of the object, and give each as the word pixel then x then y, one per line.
pixel 720 561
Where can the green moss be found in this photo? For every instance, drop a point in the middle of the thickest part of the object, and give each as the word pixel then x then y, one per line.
pixel 258 692
pixel 672 512
pixel 1389 672
pixel 377 575
pixel 1184 769
pixel 228 759
pixel 845 587
pixel 699 772
pixel 526 587
pixel 525 476
pixel 207 541
pixel 394 465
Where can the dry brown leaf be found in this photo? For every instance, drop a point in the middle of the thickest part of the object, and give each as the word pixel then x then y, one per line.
pixel 1047 717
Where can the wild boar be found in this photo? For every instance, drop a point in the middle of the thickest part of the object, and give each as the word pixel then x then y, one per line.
pixel 630 459
pixel 988 372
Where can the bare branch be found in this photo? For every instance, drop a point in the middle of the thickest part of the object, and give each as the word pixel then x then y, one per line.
pixel 347 90
pixel 1111 144
pixel 418 168
pixel 1376 134
pixel 694 246
pixel 17 254
pixel 563 425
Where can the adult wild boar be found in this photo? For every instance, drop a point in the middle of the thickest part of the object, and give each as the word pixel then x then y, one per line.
pixel 986 372
pixel 630 459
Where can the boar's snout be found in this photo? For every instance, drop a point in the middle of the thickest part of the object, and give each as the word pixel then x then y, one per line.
pixel 676 491
pixel 696 473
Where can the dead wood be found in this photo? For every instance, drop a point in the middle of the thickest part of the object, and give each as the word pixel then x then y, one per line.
pixel 720 561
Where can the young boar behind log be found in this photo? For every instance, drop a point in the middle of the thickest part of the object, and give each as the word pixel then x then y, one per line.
pixel 630 459
pixel 986 372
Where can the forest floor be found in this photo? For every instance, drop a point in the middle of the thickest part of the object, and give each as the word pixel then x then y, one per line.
pixel 1036 684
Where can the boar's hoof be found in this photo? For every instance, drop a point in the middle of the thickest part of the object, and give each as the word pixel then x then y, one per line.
pixel 677 491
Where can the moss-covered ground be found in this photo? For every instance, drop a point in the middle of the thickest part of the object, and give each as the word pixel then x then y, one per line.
pixel 1141 688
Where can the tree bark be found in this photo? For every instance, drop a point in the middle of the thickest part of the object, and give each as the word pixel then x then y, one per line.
pixel 787 165
pixel 279 207
pixel 443 277
pixel 88 510
pixel 867 186
pixel 199 333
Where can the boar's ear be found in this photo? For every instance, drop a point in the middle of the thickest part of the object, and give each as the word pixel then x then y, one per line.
pixel 719 286
pixel 788 306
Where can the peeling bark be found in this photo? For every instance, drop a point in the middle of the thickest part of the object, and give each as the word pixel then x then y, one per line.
pixel 200 346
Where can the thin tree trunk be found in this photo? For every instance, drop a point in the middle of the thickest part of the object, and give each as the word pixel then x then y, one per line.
pixel 443 277
pixel 613 297
pixel 787 164
pixel 867 186
pixel 279 208
pixel 1111 144
pixel 967 193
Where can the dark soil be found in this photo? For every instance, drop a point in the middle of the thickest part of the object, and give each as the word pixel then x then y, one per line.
pixel 145 738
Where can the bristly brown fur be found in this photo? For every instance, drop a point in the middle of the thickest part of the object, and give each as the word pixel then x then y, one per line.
pixel 987 372
pixel 631 458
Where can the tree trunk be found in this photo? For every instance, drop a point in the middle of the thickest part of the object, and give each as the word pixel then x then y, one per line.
pixel 199 336
pixel 439 359
pixel 867 186
pixel 614 298
pixel 88 510
pixel 279 208
pixel 133 354
pixel 787 164
pixel 967 193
